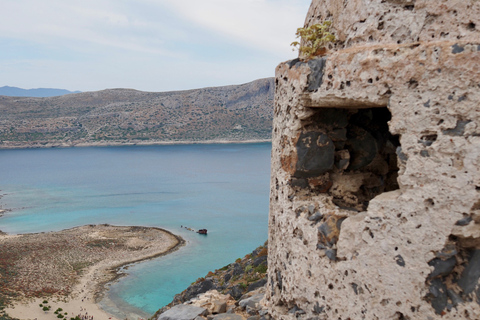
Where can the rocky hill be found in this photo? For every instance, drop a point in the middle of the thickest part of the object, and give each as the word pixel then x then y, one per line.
pixel 40 92
pixel 125 116
pixel 239 287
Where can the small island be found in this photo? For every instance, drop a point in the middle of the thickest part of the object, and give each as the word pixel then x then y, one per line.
pixel 68 270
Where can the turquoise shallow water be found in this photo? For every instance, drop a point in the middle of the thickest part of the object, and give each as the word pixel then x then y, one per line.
pixel 223 188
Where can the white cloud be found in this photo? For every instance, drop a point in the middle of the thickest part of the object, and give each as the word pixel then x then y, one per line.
pixel 264 24
pixel 145 44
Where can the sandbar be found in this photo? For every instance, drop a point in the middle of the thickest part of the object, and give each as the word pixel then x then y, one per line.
pixel 70 268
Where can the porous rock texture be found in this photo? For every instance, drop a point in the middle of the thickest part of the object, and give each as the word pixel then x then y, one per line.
pixel 375 190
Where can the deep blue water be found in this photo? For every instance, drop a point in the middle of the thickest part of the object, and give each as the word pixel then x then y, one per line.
pixel 223 188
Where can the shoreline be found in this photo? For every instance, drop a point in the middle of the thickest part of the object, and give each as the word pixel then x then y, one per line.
pixel 137 143
pixel 117 274
pixel 89 285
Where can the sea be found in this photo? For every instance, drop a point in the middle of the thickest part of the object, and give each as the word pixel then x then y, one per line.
pixel 223 188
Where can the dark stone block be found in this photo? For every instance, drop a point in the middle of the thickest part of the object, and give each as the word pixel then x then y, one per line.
pixel 339 134
pixel 329 231
pixel 449 251
pixel 438 295
pixel 198 288
pixel 301 183
pixel 236 292
pixel 363 118
pixel 469 279
pixel 457 49
pixel 258 284
pixel 355 287
pixel 296 311
pixel 402 156
pixel 315 79
pixel 459 128
pixel 362 147
pixel 441 267
pixel 464 221
pixel 477 293
pixel 237 269
pixel 332 118
pixel 315 153
pixel 279 280
pixel 455 298
pixel 424 153
pixel 339 145
pixel 260 260
pixel 399 260
pixel 331 254
pixel 294 62
pixel 317 309
pixel 227 277
pixel 317 216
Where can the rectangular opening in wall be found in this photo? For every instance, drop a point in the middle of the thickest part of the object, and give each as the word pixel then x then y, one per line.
pixel 347 153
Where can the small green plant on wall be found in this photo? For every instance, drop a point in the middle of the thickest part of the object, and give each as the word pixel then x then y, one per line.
pixel 315 39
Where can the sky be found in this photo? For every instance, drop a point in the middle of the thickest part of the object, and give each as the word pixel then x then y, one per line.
pixel 148 45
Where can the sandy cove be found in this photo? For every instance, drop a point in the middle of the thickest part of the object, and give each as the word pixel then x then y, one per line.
pixel 70 268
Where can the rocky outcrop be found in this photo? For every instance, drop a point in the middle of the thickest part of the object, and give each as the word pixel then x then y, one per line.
pixel 231 292
pixel 375 189
pixel 123 116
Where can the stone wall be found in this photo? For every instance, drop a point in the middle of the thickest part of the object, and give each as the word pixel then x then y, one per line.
pixel 375 190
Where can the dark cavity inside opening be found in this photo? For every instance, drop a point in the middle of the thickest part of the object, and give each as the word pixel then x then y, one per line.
pixel 349 154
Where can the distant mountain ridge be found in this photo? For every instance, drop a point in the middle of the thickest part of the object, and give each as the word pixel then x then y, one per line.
pixel 235 113
pixel 39 92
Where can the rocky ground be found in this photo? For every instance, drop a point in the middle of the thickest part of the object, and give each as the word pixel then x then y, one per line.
pixel 233 292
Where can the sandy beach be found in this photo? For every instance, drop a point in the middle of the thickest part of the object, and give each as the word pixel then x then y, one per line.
pixel 70 268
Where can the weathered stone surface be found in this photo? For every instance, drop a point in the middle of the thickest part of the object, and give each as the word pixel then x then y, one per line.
pixel 329 231
pixel 401 195
pixel 182 312
pixel 219 306
pixel 251 301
